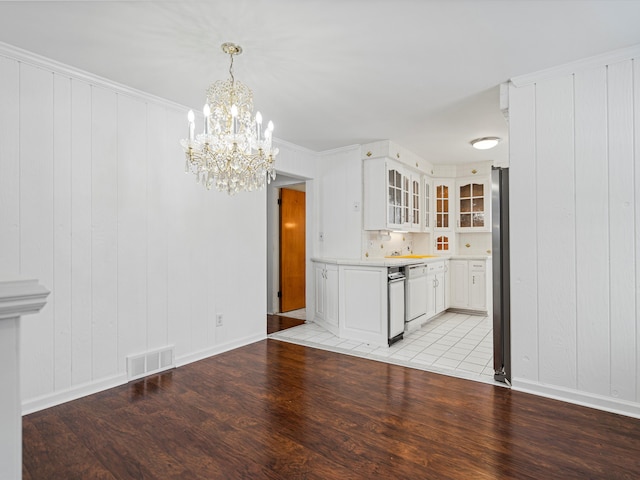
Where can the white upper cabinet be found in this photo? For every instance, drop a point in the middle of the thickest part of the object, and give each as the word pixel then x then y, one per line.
pixel 416 210
pixel 443 190
pixel 473 204
pixel 392 197
pixel 443 214
pixel 427 214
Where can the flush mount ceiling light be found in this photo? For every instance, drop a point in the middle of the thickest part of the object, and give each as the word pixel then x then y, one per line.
pixel 485 143
pixel 233 153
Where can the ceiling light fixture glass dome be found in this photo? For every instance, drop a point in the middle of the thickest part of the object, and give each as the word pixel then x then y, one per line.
pixel 485 143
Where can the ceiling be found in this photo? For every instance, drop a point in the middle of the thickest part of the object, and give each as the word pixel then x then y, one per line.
pixel 331 73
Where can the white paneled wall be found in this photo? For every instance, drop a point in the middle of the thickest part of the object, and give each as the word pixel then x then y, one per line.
pixel 94 203
pixel 575 219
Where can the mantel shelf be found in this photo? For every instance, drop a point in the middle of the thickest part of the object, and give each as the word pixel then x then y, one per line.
pixel 21 297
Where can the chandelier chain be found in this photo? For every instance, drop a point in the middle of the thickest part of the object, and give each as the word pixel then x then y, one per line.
pixel 233 79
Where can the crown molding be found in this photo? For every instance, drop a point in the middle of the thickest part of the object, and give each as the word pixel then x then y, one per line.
pixel 55 67
pixel 608 58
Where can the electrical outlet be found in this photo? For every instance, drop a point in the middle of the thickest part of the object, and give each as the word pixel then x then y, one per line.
pixel 219 320
pixel 356 206
pixel 321 236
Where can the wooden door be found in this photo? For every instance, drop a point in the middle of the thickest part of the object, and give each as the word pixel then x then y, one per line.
pixel 292 250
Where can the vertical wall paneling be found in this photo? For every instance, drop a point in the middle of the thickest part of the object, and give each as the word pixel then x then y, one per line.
pixel 523 214
pixel 180 188
pixel 104 238
pixel 81 296
pixel 592 231
pixel 95 203
pixel 157 203
pixel 9 167
pixel 203 208
pixel 587 230
pixel 556 231
pixel 61 287
pixel 36 220
pixel 132 227
pixel 622 232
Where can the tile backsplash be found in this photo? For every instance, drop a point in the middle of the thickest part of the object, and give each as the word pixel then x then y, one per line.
pixel 378 245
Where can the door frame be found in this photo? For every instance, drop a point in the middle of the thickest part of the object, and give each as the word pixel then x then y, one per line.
pixel 273 236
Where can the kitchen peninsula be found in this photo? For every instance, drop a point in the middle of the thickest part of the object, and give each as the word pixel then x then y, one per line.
pixel 352 295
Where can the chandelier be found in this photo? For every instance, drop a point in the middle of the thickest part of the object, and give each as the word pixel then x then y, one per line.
pixel 233 153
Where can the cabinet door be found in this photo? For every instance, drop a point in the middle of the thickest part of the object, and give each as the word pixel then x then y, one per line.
pixel 459 296
pixel 416 203
pixel 444 206
pixel 473 205
pixel 406 200
pixel 439 292
pixel 319 281
pixel 395 209
pixel 431 294
pixel 477 285
pixel 436 287
pixel 417 296
pixel 331 295
pixel 426 193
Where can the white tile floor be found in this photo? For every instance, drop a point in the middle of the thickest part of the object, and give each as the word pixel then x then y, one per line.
pixel 453 344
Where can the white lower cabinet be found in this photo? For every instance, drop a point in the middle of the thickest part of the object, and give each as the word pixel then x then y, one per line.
pixel 363 304
pixel 326 296
pixel 469 285
pixel 436 288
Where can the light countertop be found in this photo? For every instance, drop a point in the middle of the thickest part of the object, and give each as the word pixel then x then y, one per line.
pixel 395 262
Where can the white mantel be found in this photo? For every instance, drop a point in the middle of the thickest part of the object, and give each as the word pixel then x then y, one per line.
pixel 17 298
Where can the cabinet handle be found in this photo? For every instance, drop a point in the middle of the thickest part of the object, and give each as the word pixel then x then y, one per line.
pixel 473 279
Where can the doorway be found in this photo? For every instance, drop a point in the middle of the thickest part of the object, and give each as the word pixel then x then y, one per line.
pixel 292 250
pixel 282 181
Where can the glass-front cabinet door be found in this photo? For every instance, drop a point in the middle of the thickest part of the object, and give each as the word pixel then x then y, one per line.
pixel 416 219
pixel 398 198
pixel 394 197
pixel 443 190
pixel 427 204
pixel 473 205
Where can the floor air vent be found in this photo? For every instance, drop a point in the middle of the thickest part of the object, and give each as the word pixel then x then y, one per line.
pixel 154 361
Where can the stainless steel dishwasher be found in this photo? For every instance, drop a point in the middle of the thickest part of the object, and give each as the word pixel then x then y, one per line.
pixel 395 289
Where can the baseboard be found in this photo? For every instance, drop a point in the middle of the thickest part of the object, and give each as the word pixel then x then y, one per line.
pixel 73 393
pixel 599 402
pixel 57 398
pixel 218 349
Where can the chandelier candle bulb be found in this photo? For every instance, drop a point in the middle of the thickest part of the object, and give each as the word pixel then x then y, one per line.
pixel 234 115
pixel 207 113
pixel 192 125
pixel 258 126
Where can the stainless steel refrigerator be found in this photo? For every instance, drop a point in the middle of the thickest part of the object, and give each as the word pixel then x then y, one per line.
pixel 501 291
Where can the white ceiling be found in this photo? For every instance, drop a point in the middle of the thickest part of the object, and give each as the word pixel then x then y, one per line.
pixel 331 73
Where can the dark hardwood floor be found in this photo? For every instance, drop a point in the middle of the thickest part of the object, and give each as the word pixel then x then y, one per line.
pixel 278 322
pixel 275 410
